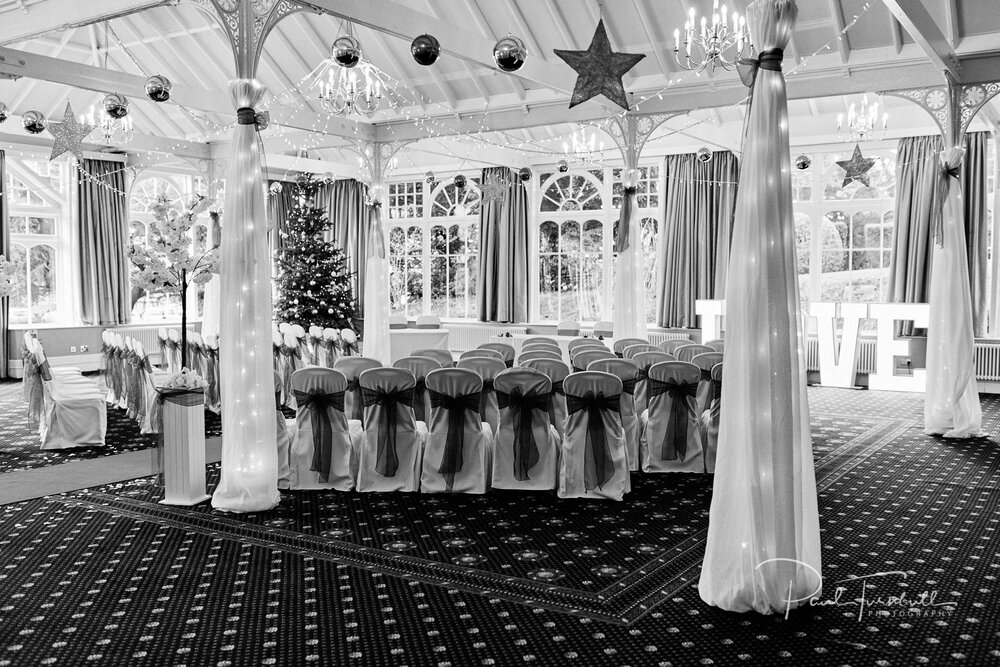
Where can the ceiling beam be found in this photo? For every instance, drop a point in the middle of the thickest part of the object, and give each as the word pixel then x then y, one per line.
pixel 53 15
pixel 34 66
pixel 837 13
pixel 914 17
pixel 140 143
pixel 897 34
pixel 403 23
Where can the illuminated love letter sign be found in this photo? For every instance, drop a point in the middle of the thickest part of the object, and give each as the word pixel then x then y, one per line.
pixel 838 368
pixel 888 346
pixel 710 313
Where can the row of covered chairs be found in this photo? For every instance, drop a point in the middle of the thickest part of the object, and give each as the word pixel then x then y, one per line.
pixel 422 427
pixel 422 322
pixel 202 358
pixel 603 329
pixel 294 348
pixel 68 406
pixel 131 379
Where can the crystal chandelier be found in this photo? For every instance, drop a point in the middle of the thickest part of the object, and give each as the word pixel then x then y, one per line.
pixel 347 83
pixel 862 125
pixel 113 131
pixel 712 41
pixel 583 149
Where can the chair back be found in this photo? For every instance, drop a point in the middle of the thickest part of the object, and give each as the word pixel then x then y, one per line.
pixel 322 431
pixel 605 329
pixel 387 394
pixel 428 322
pixel 689 352
pixel 487 369
pixel 443 357
pixel 583 342
pixel 594 457
pixel 717 345
pixel 621 344
pixel 398 322
pixel 549 345
pixel 539 339
pixel 507 351
pixel 669 346
pixel 585 356
pixel 352 368
pixel 539 353
pixel 525 451
pixel 632 350
pixel 456 445
pixel 706 361
pixel 478 352
pixel 628 372
pixel 419 367
pixel 557 371
pixel 673 434
pixel 568 328
pixel 349 342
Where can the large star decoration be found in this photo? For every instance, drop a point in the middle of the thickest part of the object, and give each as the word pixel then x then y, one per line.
pixel 856 169
pixel 599 69
pixel 494 188
pixel 69 135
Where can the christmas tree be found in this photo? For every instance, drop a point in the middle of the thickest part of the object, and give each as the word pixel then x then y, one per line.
pixel 314 287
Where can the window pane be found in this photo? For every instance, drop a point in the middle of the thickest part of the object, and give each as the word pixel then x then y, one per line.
pixel 43 283
pixel 439 285
pixel 456 240
pixel 548 237
pixel 591 297
pixel 592 236
pixel 569 290
pixel 18 224
pixel 38 225
pixel 397 241
pixel 415 286
pixel 457 288
pixel 415 241
pixel 888 227
pixel 19 297
pixel 397 283
pixel 137 232
pixel 649 240
pixel 548 287
pixel 473 236
pixel 439 240
pixel 866 229
pixel 473 273
pixel 200 239
pixel 569 237
pixel 803 241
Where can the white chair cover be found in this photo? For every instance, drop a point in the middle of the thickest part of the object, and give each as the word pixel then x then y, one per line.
pixel 717 345
pixel 284 437
pixel 73 415
pixel 706 362
pixel 628 372
pixel 604 329
pixel 428 322
pixel 690 351
pixel 645 360
pixel 506 351
pixel 314 341
pixel 584 342
pixel 352 368
pixel 458 454
pixel 526 450
pixel 349 342
pixel 557 371
pixel 593 462
pixel 419 367
pixel 638 348
pixel 487 369
pixel 539 353
pixel 213 394
pixel 196 353
pixel 585 356
pixel 623 343
pixel 326 448
pixel 173 351
pixel 398 322
pixel 541 344
pixel 670 346
pixel 539 339
pixel 479 352
pixel 289 361
pixel 393 444
pixel 329 348
pixel 163 339
pixel 671 433
pixel 710 420
pixel 568 328
pixel 443 357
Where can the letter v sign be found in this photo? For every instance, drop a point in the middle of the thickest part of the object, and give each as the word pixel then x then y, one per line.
pixel 838 368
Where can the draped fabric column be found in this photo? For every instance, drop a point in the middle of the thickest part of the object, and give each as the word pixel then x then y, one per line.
pixel 376 289
pixel 951 402
pixel 628 315
pixel 503 252
pixel 975 213
pixel 994 329
pixel 103 230
pixel 763 546
pixel 249 478
pixel 351 217
pixel 699 202
pixel 5 251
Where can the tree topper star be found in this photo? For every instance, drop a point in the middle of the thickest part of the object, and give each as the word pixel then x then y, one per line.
pixel 856 169
pixel 599 69
pixel 69 134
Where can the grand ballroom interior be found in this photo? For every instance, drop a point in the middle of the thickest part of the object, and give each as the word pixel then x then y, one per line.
pixel 459 332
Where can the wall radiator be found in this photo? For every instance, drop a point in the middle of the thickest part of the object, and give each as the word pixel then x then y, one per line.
pixel 987 360
pixel 657 337
pixel 866 355
pixel 464 337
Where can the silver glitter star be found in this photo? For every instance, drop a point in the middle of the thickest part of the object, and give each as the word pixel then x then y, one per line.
pixel 69 134
pixel 494 188
pixel 856 169
pixel 599 69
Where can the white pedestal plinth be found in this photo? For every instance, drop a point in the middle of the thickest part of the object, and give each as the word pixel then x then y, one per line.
pixel 184 447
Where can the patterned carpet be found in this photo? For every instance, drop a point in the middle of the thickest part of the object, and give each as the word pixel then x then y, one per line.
pixel 106 576
pixel 19 444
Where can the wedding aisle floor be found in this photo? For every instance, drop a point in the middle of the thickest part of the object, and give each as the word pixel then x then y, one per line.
pixel 107 576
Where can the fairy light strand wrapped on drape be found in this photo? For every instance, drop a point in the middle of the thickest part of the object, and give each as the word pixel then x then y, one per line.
pixel 763 547
pixel 376 288
pixel 629 309
pixel 951 402
pixel 249 481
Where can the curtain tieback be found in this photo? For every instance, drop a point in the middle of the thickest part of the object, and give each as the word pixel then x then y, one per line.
pixel 943 186
pixel 769 60
pixel 376 238
pixel 624 217
pixel 521 406
pixel 247 116
pixel 599 466
pixel 386 457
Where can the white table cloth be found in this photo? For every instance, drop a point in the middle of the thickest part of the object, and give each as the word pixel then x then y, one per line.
pixel 517 340
pixel 403 342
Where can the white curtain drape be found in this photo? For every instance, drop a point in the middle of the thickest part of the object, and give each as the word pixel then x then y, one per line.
pixel 994 326
pixel 249 481
pixel 763 547
pixel 376 329
pixel 629 309
pixel 211 318
pixel 951 403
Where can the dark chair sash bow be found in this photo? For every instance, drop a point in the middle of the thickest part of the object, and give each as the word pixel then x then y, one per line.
pixel 456 407
pixel 628 386
pixel 716 390
pixel 599 466
pixel 387 458
pixel 419 400
pixel 521 406
pixel 316 403
pixel 674 445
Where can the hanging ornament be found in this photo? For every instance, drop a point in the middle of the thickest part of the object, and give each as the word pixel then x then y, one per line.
pixel 276 188
pixel 4 112
pixel 33 121
pixel 69 135
pixel 509 54
pixel 494 188
pixel 803 162
pixel 563 166
pixel 856 169
pixel 302 179
pixel 429 177
pixel 158 88
pixel 599 69
pixel 704 155
pixel 425 50
pixel 346 51
pixel 460 181
pixel 524 173
pixel 116 105
pixel 328 177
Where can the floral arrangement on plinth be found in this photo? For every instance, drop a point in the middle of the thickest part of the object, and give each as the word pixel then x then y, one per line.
pixel 7 279
pixel 167 263
pixel 185 379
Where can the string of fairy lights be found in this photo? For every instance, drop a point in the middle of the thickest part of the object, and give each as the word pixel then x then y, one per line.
pixel 292 104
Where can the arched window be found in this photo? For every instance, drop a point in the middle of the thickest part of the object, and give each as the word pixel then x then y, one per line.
pixel 573 191
pixel 571 266
pixel 450 201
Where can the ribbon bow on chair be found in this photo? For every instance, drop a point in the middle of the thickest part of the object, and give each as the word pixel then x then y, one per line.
pixel 419 405
pixel 599 466
pixel 387 459
pixel 32 392
pixel 456 406
pixel 674 444
pixel 621 240
pixel 317 402
pixel 521 406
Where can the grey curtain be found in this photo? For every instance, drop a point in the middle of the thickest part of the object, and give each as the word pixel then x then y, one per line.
pixel 5 251
pixel 699 203
pixel 918 161
pixel 103 231
pixel 503 252
pixel 351 217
